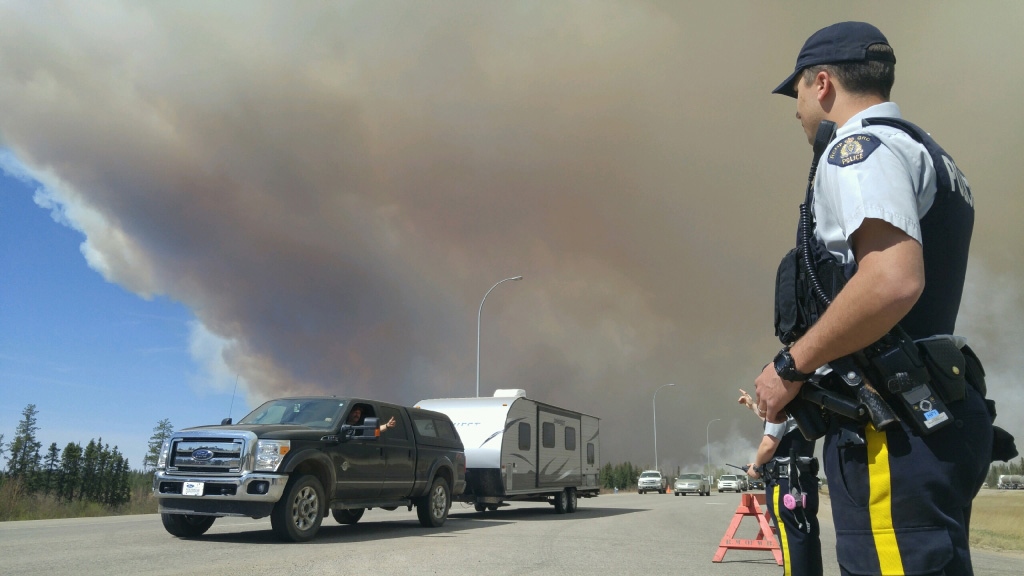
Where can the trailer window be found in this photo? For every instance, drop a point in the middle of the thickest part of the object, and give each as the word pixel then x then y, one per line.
pixel 570 438
pixel 547 433
pixel 591 453
pixel 524 436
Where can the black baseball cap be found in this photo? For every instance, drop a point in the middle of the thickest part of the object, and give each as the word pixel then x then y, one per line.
pixel 835 44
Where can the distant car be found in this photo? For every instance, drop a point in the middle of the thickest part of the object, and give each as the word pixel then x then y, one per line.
pixel 757 484
pixel 692 484
pixel 744 482
pixel 651 481
pixel 729 483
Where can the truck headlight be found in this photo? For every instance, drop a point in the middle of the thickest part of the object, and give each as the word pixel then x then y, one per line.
pixel 165 450
pixel 270 454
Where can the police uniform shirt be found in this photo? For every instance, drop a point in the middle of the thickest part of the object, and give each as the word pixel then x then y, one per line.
pixel 876 172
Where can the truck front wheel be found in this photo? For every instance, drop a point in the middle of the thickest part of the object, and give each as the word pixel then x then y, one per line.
pixel 185 525
pixel 298 514
pixel 433 508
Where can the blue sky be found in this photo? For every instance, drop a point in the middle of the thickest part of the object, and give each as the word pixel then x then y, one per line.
pixel 95 359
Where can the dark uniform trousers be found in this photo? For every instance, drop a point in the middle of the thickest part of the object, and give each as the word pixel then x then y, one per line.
pixel 798 530
pixel 902 502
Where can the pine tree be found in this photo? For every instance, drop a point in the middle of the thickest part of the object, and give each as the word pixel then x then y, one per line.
pixel 70 472
pixel 52 469
pixel 25 460
pixel 161 432
pixel 88 474
pixel 104 478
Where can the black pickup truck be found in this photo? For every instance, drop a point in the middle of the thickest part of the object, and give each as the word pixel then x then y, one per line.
pixel 293 459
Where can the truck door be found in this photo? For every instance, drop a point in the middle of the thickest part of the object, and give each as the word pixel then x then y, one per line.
pixel 399 451
pixel 359 464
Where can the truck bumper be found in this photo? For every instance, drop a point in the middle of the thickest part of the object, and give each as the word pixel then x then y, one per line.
pixel 252 495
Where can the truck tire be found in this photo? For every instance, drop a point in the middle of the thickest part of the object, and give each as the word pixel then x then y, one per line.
pixel 187 525
pixel 348 516
pixel 572 500
pixel 432 509
pixel 297 515
pixel 562 502
pixel 480 507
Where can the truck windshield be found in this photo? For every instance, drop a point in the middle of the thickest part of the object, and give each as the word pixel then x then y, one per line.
pixel 311 412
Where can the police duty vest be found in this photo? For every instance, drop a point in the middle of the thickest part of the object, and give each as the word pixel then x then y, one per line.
pixel 946 238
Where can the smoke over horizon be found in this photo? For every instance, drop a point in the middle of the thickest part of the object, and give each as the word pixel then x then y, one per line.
pixel 332 188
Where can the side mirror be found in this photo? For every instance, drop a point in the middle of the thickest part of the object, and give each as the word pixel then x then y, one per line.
pixel 225 422
pixel 369 430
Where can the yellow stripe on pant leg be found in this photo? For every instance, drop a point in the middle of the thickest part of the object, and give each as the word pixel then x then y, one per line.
pixel 787 564
pixel 880 503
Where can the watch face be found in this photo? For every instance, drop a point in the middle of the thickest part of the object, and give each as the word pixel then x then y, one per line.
pixel 784 366
pixel 782 363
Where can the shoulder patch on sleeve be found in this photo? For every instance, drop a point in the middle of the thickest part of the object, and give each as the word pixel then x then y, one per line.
pixel 853 149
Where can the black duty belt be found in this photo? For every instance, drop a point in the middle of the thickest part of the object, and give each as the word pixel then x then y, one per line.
pixel 779 467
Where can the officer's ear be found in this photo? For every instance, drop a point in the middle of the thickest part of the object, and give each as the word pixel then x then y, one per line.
pixel 824 86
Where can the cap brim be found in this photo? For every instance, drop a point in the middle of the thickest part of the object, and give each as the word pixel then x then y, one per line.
pixel 786 88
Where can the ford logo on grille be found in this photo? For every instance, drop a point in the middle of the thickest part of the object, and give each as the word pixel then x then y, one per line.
pixel 202 455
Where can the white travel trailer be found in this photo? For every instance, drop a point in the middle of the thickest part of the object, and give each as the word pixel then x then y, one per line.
pixel 1010 482
pixel 521 449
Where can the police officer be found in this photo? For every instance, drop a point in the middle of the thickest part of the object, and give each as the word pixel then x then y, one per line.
pixel 796 517
pixel 896 213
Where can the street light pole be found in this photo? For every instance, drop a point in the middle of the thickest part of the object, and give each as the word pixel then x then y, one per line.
pixel 707 440
pixel 654 408
pixel 478 313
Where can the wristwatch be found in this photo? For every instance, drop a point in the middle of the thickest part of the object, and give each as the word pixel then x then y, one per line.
pixel 785 367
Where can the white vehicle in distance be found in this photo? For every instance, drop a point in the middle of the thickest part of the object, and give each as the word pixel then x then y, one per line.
pixel 730 483
pixel 651 481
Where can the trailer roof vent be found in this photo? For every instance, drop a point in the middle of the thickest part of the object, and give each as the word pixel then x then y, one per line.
pixel 510 393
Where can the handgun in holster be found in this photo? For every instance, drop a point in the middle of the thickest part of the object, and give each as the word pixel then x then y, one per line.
pixel 895 364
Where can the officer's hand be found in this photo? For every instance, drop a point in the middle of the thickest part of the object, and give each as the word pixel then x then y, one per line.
pixel 773 393
pixel 752 471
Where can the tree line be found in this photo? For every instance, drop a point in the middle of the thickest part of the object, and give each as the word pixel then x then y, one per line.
pixel 94 473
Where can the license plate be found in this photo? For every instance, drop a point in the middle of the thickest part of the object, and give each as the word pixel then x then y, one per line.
pixel 192 489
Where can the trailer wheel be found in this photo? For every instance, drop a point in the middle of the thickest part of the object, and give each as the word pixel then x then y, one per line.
pixel 298 514
pixel 186 525
pixel 561 502
pixel 432 509
pixel 348 516
pixel 572 500
pixel 480 507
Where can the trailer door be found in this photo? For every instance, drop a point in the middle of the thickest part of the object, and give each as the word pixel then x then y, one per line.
pixel 559 459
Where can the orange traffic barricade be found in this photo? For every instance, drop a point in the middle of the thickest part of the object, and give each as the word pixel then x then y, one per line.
pixel 750 505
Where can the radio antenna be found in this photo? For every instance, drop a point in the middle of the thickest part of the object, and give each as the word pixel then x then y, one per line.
pixel 232 406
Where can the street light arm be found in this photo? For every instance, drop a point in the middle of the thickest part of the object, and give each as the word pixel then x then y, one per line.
pixel 479 312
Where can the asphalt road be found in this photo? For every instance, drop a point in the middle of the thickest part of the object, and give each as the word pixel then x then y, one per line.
pixel 612 534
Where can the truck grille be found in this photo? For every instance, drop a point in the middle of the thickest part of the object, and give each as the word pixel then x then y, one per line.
pixel 206 455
